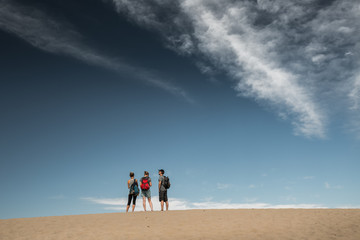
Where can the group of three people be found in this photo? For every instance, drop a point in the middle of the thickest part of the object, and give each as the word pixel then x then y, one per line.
pixel 145 185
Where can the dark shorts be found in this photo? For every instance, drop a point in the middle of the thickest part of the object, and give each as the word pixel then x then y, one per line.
pixel 163 196
pixel 133 197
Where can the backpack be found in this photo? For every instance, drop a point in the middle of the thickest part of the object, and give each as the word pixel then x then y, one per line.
pixel 134 189
pixel 145 184
pixel 166 182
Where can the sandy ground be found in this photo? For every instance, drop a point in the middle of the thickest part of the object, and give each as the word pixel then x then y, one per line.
pixel 193 224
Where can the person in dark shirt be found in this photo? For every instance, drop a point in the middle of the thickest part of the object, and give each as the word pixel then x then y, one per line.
pixel 162 191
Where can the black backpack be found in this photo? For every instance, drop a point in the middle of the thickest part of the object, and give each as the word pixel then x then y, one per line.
pixel 166 182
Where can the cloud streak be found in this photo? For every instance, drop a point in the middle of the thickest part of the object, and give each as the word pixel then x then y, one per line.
pixel 119 204
pixel 295 57
pixel 354 94
pixel 328 186
pixel 43 32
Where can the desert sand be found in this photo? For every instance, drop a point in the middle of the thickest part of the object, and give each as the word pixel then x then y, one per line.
pixel 191 224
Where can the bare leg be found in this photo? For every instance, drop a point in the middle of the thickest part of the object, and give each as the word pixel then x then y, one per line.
pixel 162 205
pixel 167 205
pixel 127 208
pixel 133 207
pixel 150 203
pixel 144 203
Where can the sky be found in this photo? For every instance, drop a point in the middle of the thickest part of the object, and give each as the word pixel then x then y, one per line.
pixel 245 104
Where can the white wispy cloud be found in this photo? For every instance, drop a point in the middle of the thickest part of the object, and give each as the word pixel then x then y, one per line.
pixel 354 99
pixel 119 204
pixel 46 33
pixel 329 186
pixel 354 94
pixel 295 55
pixel 253 65
pixel 232 44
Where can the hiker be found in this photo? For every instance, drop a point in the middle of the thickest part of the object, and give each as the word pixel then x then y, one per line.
pixel 133 191
pixel 145 184
pixel 164 185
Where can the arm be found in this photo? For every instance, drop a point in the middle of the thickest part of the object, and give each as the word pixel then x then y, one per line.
pixel 159 185
pixel 129 184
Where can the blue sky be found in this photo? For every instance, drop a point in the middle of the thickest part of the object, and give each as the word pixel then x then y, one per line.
pixel 244 104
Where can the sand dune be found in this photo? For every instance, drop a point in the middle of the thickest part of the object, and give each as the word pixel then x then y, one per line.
pixel 192 224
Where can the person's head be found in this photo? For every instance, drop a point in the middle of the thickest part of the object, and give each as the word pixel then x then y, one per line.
pixel 146 173
pixel 132 174
pixel 161 172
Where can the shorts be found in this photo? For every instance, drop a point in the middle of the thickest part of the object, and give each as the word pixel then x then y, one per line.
pixel 163 196
pixel 146 193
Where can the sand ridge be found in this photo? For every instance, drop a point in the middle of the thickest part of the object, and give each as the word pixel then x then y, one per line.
pixel 191 224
